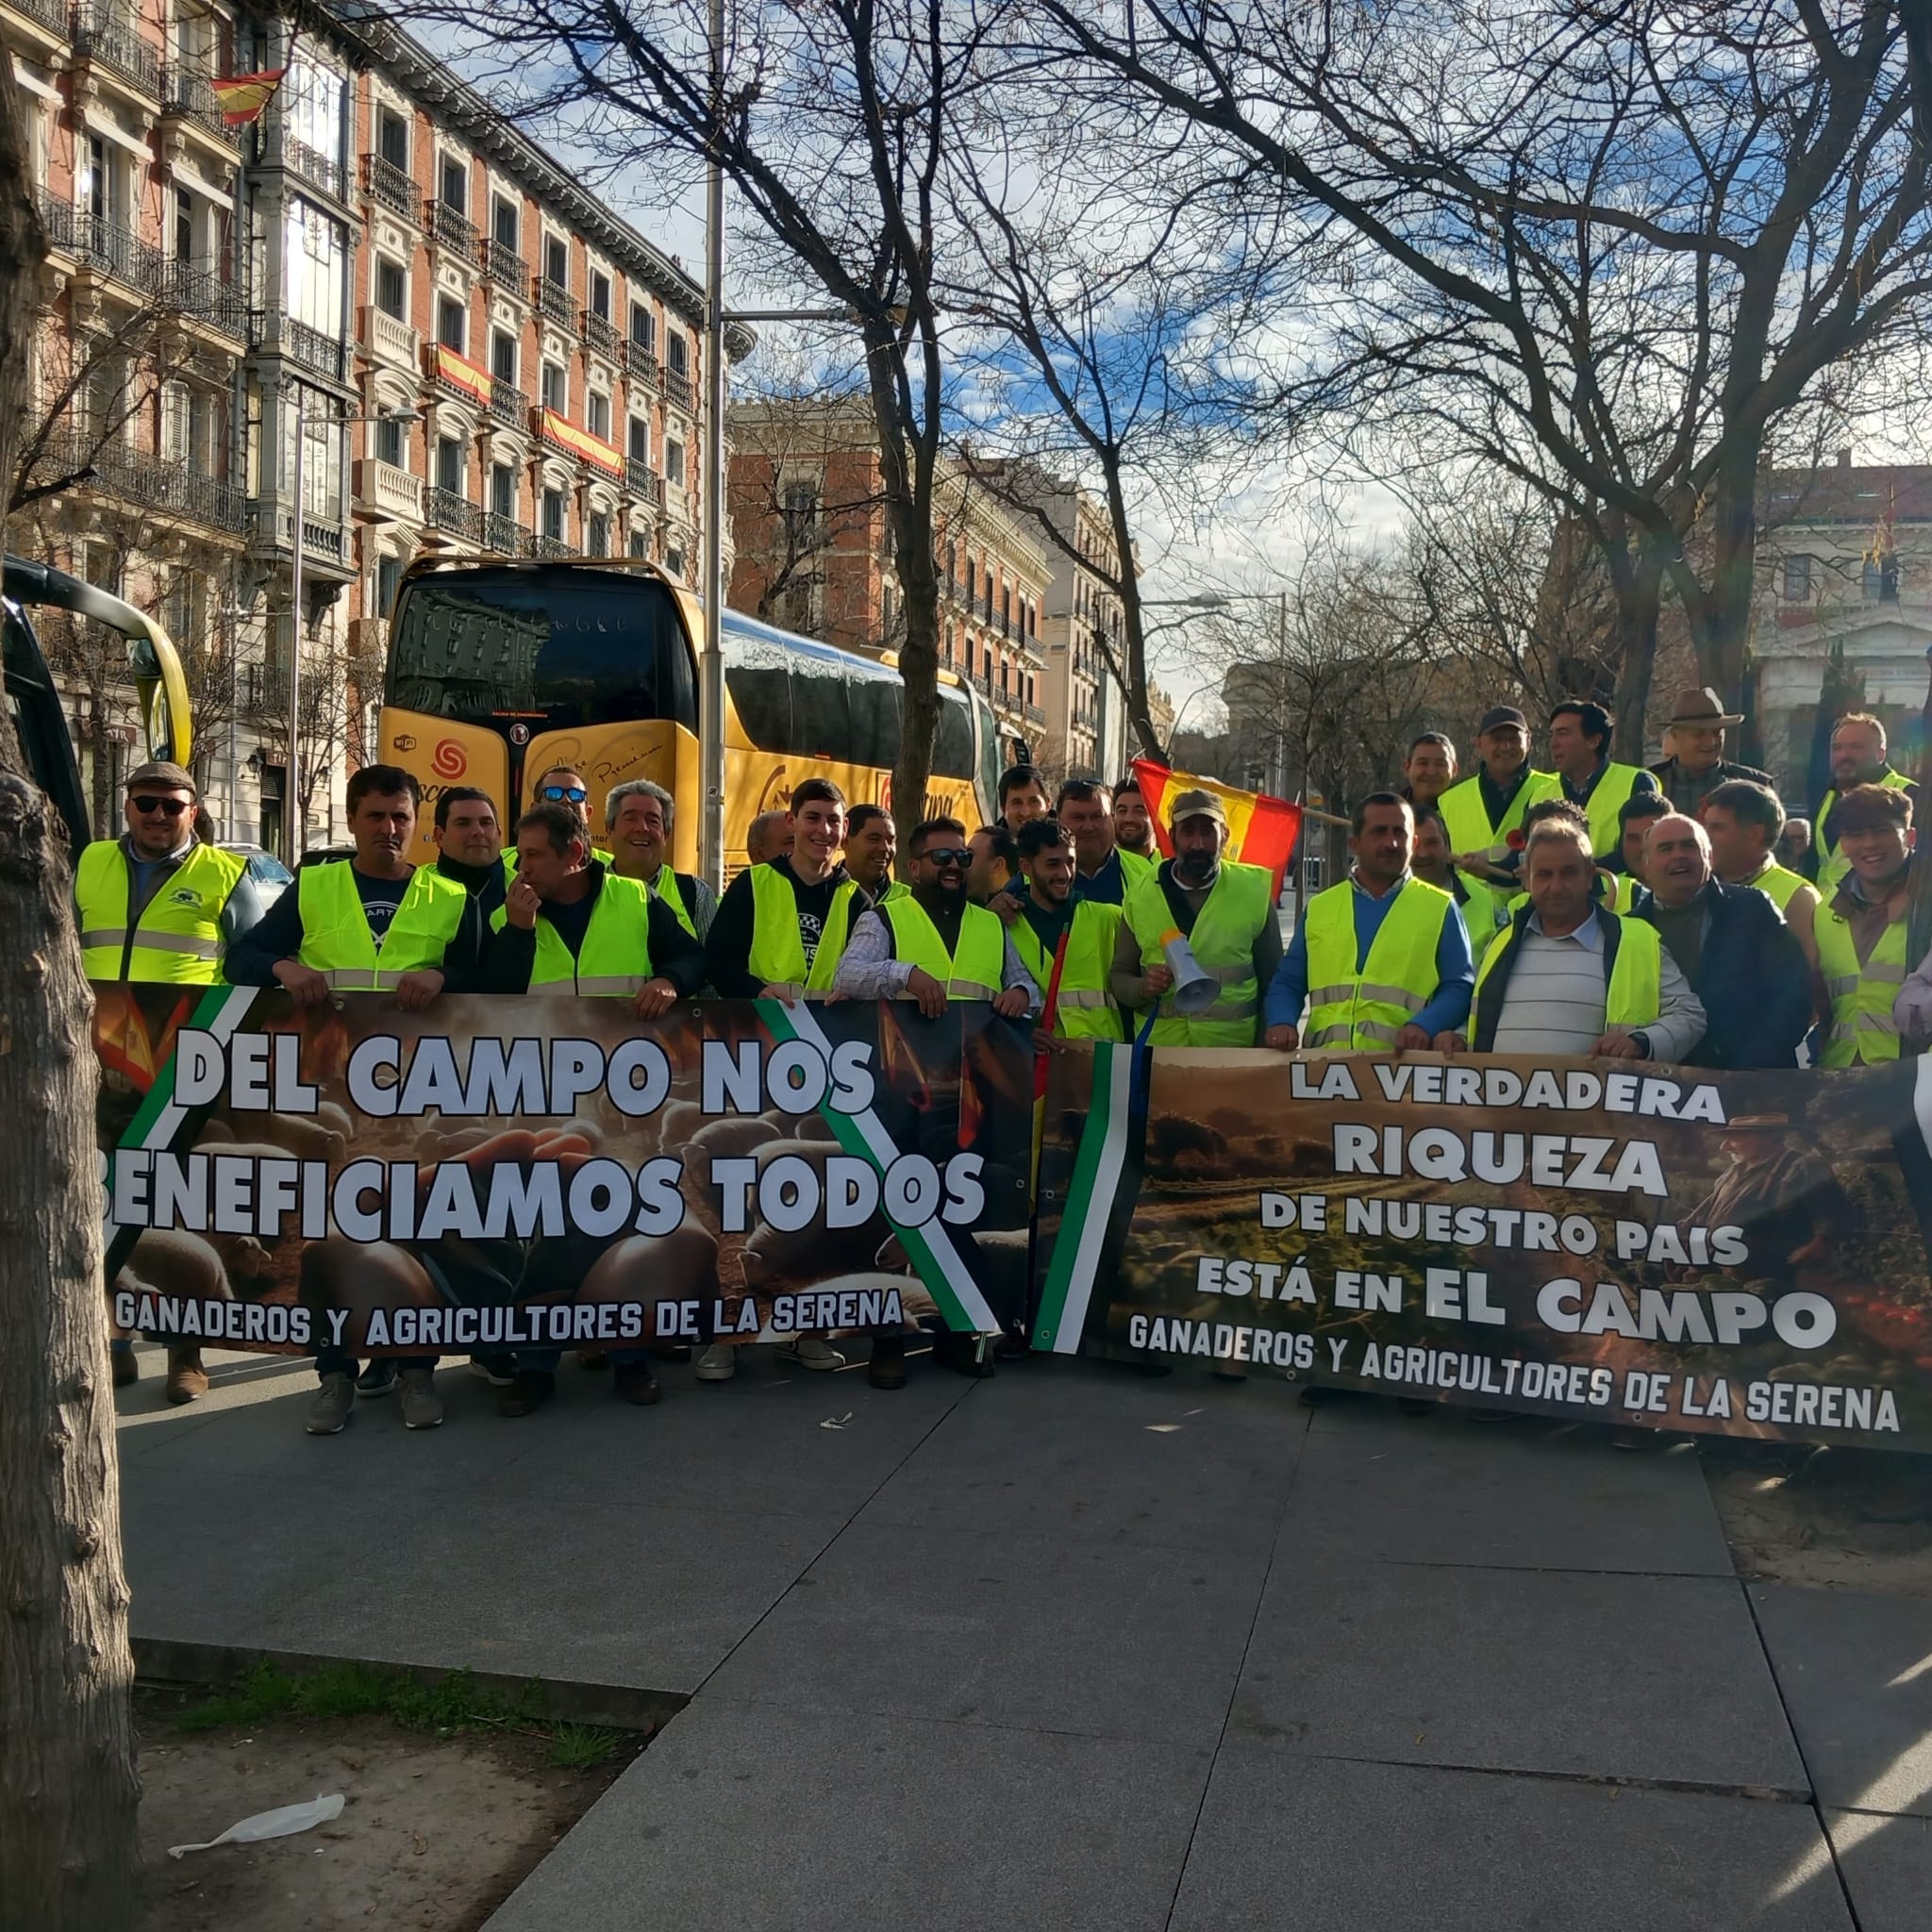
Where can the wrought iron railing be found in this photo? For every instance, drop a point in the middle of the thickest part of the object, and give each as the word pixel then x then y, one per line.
pixel 451 229
pixel 274 329
pixel 394 187
pixel 448 510
pixel 553 299
pixel 504 266
pixel 187 90
pixel 107 37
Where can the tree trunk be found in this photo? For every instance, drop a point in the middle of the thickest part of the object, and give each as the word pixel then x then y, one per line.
pixel 1639 584
pixel 1134 681
pixel 1723 636
pixel 70 1860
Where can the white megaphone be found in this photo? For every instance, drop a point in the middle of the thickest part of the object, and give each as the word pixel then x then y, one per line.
pixel 1194 988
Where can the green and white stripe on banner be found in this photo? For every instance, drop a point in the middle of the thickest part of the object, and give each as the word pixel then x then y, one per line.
pixel 1082 1236
pixel 940 1267
pixel 159 1118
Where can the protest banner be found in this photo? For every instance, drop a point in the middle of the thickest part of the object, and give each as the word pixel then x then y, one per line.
pixel 537 1171
pixel 1741 1253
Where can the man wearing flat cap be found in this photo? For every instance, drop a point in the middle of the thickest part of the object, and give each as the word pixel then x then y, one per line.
pixel 1489 804
pixel 1696 765
pixel 1225 910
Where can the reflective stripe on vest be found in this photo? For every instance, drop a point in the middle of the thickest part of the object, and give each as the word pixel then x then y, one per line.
pixel 337 943
pixel 973 971
pixel 1223 945
pixel 1083 1008
pixel 1466 818
pixel 777 951
pixel 1635 992
pixel 1613 792
pixel 177 937
pixel 1862 1028
pixel 1366 1009
pixel 615 957
pixel 1833 865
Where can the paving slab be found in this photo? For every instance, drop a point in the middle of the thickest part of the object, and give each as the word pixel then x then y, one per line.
pixel 1291 1841
pixel 1435 1489
pixel 1116 1640
pixel 1855 1671
pixel 1885 1864
pixel 1592 1674
pixel 773 1820
pixel 1155 1465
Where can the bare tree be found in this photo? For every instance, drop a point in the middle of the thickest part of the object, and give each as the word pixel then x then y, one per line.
pixel 70 1860
pixel 1611 247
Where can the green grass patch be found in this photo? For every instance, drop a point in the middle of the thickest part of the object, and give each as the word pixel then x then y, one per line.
pixel 446 1705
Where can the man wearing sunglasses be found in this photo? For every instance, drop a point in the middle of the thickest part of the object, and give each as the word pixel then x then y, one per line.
pixel 158 903
pixel 566 785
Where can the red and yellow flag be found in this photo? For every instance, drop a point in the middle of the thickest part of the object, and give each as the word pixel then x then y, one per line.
pixel 241 97
pixel 1261 830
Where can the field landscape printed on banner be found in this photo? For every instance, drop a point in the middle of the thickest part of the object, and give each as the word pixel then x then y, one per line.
pixel 1741 1253
pixel 503 1173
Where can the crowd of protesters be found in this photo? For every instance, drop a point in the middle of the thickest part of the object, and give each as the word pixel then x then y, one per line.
pixel 1586 907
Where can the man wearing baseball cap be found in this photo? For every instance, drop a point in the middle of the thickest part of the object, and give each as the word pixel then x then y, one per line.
pixel 1694 741
pixel 1484 809
pixel 159 903
pixel 1225 912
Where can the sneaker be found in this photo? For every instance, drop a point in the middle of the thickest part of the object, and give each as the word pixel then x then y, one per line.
pixel 593 1359
pixel 187 1379
pixel 526 1393
pixel 330 1412
pixel 886 1369
pixel 807 1352
pixel 718 1363
pixel 635 1384
pixel 499 1371
pixel 422 1404
pixel 126 1369
pixel 379 1378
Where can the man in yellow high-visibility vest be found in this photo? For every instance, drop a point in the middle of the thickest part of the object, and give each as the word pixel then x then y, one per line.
pixel 1052 919
pixel 1859 757
pixel 1382 960
pixel 1863 934
pixel 1484 809
pixel 1744 821
pixel 638 821
pixel 1592 779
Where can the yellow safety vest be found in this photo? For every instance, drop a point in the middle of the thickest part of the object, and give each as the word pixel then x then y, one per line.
pixel 615 958
pixel 1863 1033
pixel 1466 818
pixel 1364 1009
pixel 665 887
pixel 178 936
pixel 1833 865
pixel 1084 1010
pixel 777 952
pixel 1224 944
pixel 1778 882
pixel 1136 866
pixel 1613 792
pixel 973 971
pixel 1635 992
pixel 337 943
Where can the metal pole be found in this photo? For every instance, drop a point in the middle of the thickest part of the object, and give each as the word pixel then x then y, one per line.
pixel 711 663
pixel 291 830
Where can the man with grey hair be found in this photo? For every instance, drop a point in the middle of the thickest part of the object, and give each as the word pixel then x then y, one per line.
pixel 1567 977
pixel 638 815
pixel 768 836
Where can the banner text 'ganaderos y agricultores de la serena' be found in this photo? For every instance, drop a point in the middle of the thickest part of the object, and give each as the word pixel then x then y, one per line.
pixel 1742 1252
pixel 499 1173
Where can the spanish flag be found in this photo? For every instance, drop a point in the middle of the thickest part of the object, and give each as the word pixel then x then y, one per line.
pixel 1261 830
pixel 241 97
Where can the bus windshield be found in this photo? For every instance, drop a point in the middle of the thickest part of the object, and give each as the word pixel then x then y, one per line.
pixel 560 647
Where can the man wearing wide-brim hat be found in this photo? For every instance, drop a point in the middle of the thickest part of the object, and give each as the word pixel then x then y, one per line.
pixel 1696 764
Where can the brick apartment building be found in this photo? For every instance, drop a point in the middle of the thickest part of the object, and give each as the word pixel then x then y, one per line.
pixel 483 357
pixel 814 554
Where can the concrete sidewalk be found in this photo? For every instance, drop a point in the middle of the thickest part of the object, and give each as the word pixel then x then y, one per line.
pixel 1075 1648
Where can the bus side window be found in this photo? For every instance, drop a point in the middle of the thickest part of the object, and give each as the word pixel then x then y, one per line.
pixel 951 746
pixel 822 720
pixel 761 696
pixel 877 721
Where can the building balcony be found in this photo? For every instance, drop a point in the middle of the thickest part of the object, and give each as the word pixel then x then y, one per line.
pixel 639 362
pixel 452 514
pixel 555 301
pixel 100 247
pixel 276 333
pixel 454 374
pixel 390 341
pixel 677 388
pixel 387 491
pixel 191 96
pixel 506 537
pixel 281 149
pixel 271 524
pixel 50 14
pixel 504 268
pixel 393 187
pixel 105 37
pixel 644 482
pixel 599 334
pixel 554 546
pixel 203 294
pixel 451 229
pixel 1035 714
pixel 161 485
pixel 509 404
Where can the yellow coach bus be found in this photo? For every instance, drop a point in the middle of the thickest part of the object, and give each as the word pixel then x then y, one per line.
pixel 499 671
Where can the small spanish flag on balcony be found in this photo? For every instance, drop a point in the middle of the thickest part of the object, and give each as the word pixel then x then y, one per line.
pixel 241 97
pixel 1261 830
